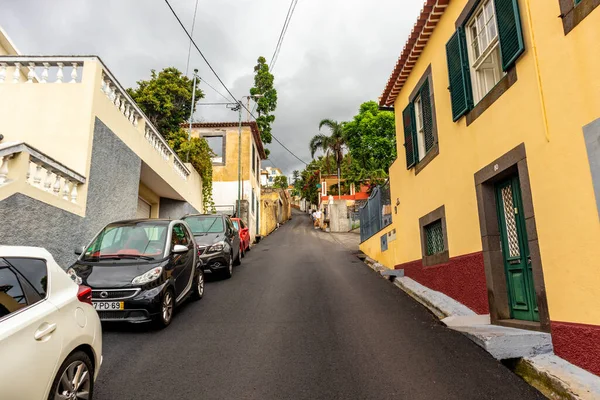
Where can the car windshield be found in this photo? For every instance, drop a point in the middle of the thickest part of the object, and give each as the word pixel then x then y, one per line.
pixel 235 223
pixel 208 224
pixel 128 241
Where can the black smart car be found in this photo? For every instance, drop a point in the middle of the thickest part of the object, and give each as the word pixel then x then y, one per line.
pixel 140 270
pixel 218 242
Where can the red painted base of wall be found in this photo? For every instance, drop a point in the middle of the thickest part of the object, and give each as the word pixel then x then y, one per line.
pixel 577 343
pixel 462 278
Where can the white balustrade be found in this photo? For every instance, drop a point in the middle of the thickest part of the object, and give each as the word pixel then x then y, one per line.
pixel 35 65
pixel 74 73
pixel 31 74
pixel 45 72
pixel 17 73
pixel 54 182
pixel 3 169
pixel 3 72
pixel 60 74
pixel 41 171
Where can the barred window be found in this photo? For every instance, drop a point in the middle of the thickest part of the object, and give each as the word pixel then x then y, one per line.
pixel 434 236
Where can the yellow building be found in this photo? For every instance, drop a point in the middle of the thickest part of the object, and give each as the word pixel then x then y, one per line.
pixel 496 188
pixel 223 138
pixel 275 209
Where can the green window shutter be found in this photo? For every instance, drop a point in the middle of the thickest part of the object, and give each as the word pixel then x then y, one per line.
pixel 509 31
pixel 458 74
pixel 408 118
pixel 427 116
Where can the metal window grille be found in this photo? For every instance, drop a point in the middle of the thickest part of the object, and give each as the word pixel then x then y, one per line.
pixel 434 235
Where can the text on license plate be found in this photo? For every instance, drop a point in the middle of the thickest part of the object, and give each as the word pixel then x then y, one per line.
pixel 108 305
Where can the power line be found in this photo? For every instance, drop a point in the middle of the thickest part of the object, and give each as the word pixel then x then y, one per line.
pixel 285 22
pixel 221 81
pixel 197 48
pixel 187 65
pixel 278 50
pixel 212 87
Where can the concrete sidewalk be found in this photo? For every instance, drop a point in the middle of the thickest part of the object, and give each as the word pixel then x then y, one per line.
pixel 529 353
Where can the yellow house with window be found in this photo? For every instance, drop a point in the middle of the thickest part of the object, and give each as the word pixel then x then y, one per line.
pixel 497 182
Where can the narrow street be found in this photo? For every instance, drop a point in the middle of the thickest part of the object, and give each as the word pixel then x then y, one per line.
pixel 301 319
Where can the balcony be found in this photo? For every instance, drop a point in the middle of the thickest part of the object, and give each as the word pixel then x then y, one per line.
pixel 49 122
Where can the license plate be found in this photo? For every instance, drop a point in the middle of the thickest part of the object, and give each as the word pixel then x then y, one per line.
pixel 108 305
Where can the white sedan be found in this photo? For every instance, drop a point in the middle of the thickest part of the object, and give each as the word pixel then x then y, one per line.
pixel 50 335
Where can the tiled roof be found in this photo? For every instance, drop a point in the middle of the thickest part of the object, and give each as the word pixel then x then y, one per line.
pixel 253 126
pixel 430 15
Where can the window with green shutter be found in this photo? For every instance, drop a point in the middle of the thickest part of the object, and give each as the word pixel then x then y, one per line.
pixel 458 75
pixel 509 31
pixel 483 48
pixel 419 137
pixel 409 135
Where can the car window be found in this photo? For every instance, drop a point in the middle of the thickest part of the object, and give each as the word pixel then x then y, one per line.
pixel 179 236
pixel 12 297
pixel 127 240
pixel 235 224
pixel 205 224
pixel 34 271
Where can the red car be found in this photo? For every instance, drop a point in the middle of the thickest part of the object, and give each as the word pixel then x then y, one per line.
pixel 244 235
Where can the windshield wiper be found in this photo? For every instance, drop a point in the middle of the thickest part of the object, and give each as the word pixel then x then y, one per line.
pixel 127 256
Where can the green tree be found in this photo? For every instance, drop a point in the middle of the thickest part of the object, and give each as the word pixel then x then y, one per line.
pixel 266 105
pixel 330 145
pixel 166 100
pixel 371 137
pixel 200 156
pixel 280 182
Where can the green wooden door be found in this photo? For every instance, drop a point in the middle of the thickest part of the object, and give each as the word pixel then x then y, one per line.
pixel 515 250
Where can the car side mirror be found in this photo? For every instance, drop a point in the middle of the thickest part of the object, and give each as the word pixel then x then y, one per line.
pixel 79 250
pixel 179 248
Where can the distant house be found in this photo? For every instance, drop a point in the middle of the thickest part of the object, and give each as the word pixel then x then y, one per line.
pixel 268 176
pixel 223 138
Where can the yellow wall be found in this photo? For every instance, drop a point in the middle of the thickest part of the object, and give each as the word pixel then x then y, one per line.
pixel 269 205
pixel 151 198
pixel 563 199
pixel 58 120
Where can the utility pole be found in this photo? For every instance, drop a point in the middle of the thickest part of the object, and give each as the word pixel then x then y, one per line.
pixel 187 159
pixel 239 201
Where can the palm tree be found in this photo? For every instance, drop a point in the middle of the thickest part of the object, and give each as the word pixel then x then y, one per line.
pixel 333 144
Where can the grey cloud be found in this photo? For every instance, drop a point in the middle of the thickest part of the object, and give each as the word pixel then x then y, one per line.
pixel 336 54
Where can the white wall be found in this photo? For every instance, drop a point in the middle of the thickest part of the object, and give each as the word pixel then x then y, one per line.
pixel 226 194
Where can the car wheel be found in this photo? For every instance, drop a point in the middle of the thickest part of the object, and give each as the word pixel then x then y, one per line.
pixel 75 378
pixel 167 306
pixel 229 270
pixel 198 289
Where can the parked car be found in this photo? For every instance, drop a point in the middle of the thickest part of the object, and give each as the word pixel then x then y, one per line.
pixel 50 335
pixel 244 232
pixel 140 270
pixel 218 242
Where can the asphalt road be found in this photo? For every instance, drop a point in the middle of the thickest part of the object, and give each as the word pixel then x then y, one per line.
pixel 301 318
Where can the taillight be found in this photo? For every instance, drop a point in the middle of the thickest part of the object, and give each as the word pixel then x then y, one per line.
pixel 84 294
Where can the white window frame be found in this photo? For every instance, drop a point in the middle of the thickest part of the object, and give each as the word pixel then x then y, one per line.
pixel 488 61
pixel 420 127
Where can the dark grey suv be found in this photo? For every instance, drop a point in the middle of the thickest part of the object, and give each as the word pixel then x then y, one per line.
pixel 218 242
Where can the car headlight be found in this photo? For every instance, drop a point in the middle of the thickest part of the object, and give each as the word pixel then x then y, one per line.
pixel 148 276
pixel 216 247
pixel 74 277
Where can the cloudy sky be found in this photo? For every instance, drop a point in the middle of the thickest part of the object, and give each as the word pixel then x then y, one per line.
pixel 336 53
